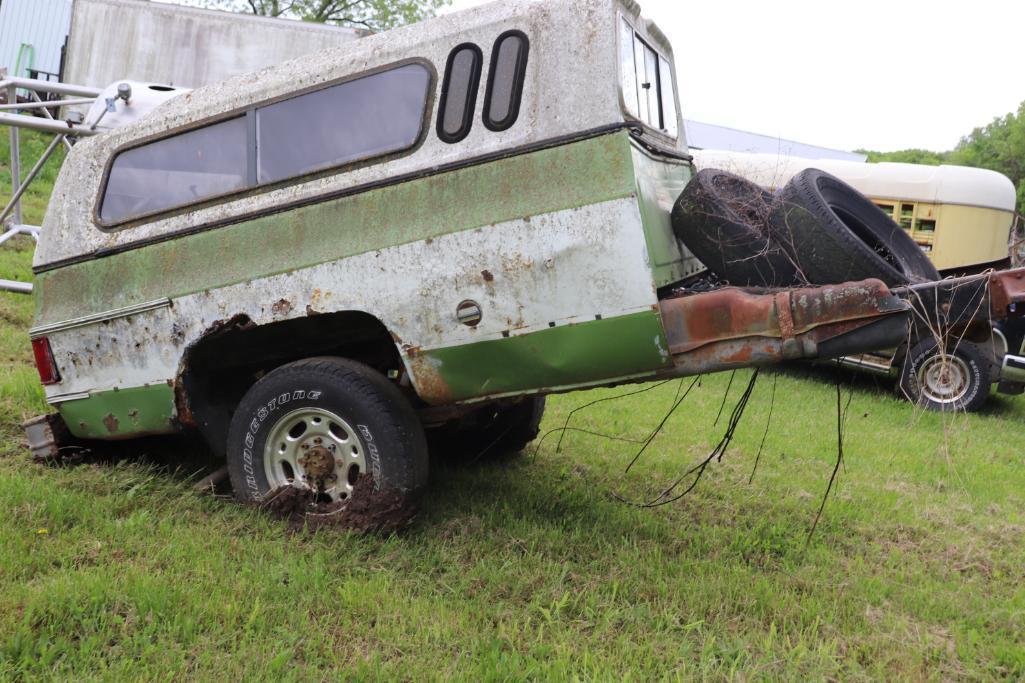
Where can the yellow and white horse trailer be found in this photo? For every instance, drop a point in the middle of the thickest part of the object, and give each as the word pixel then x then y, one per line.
pixel 961 217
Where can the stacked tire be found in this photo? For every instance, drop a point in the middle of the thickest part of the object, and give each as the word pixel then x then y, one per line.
pixel 818 230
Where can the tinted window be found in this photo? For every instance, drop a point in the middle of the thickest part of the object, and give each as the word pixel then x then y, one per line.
pixel 179 170
pixel 367 117
pixel 459 93
pixel 505 80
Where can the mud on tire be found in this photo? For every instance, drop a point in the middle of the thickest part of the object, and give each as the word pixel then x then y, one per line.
pixel 386 432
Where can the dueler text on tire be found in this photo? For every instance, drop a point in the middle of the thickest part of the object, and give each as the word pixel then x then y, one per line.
pixel 835 234
pixel 321 423
pixel 722 218
pixel 957 379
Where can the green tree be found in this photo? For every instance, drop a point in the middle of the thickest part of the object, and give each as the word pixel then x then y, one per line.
pixel 907 156
pixel 999 146
pixel 374 15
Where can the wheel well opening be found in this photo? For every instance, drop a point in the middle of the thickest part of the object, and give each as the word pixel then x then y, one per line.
pixel 218 369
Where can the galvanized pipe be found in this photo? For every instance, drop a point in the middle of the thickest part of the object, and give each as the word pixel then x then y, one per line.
pixel 15 202
pixel 12 96
pixel 46 126
pixel 51 86
pixel 47 114
pixel 16 287
pixel 39 104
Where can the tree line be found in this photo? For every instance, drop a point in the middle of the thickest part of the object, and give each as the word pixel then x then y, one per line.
pixel 998 146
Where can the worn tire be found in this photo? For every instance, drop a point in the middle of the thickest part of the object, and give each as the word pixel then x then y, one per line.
pixel 957 381
pixel 491 433
pixel 722 218
pixel 835 234
pixel 391 438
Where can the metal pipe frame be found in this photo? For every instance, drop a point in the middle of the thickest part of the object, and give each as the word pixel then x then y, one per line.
pixel 46 126
pixel 51 87
pixel 16 197
pixel 40 104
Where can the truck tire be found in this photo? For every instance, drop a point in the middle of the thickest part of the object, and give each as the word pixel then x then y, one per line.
pixel 956 380
pixel 321 423
pixel 835 234
pixel 722 218
pixel 491 433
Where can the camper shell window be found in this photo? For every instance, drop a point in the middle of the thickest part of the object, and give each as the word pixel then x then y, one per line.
pixel 505 80
pixel 368 117
pixel 459 92
pixel 646 79
pixel 186 168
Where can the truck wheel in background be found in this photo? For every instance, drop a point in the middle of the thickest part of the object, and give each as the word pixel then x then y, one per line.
pixel 954 380
pixel 722 218
pixel 493 432
pixel 322 423
pixel 835 234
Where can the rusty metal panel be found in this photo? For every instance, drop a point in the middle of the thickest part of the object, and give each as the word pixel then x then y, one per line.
pixel 732 314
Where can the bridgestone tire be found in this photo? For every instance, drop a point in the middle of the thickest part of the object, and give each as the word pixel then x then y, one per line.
pixel 391 438
pixel 835 234
pixel 493 433
pixel 957 381
pixel 722 218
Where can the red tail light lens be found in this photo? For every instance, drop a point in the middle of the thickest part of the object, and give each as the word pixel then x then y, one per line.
pixel 44 361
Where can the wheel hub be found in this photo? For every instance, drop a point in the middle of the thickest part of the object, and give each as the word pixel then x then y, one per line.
pixel 315 448
pixel 318 463
pixel 944 378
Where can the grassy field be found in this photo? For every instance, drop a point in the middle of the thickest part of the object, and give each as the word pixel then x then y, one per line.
pixel 533 569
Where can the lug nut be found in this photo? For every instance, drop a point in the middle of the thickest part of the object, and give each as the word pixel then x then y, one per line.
pixel 306 446
pixel 317 440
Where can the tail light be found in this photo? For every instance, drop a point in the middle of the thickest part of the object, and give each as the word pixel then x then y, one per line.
pixel 44 361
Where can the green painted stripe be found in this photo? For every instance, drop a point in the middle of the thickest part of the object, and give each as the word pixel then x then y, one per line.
pixel 122 413
pixel 556 358
pixel 565 177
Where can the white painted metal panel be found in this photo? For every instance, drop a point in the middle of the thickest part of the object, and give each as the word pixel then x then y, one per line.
pixel 43 24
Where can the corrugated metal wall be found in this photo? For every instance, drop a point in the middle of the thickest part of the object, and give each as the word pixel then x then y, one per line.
pixel 43 24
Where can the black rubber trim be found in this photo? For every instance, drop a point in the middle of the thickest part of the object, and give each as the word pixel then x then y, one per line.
pixel 520 75
pixel 470 104
pixel 359 189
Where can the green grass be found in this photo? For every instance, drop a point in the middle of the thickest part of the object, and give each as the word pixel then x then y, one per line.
pixel 533 570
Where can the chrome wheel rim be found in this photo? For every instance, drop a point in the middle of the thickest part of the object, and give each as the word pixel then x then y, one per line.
pixel 944 378
pixel 314 448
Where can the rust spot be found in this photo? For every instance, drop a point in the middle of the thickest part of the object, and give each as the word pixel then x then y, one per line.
pixel 427 380
pixel 110 422
pixel 281 307
pixel 488 277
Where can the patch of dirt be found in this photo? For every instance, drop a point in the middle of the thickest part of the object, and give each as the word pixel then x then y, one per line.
pixel 366 511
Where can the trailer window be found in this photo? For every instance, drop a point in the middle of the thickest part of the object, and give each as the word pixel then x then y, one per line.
pixel 505 81
pixel 367 117
pixel 646 78
pixel 182 169
pixel 459 92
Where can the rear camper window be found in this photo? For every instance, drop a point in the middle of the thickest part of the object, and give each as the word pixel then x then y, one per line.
pixel 183 169
pixel 368 117
pixel 361 119
pixel 505 81
pixel 647 82
pixel 459 92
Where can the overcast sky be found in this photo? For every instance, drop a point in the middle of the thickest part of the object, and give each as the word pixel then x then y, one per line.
pixel 871 74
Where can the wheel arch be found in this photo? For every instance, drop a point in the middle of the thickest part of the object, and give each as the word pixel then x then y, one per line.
pixel 229 357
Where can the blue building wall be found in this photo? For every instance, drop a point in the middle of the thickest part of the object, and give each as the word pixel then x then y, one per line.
pixel 42 25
